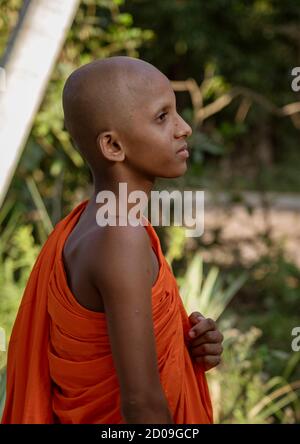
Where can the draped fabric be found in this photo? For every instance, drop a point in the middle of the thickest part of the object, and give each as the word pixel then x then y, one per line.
pixel 60 366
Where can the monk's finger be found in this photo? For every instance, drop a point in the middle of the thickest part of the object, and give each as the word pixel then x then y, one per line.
pixel 209 362
pixel 207 350
pixel 195 317
pixel 213 336
pixel 202 327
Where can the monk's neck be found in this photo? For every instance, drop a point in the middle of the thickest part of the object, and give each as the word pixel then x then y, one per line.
pixel 121 190
pixel 132 183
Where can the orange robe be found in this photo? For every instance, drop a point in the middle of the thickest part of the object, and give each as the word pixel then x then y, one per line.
pixel 60 367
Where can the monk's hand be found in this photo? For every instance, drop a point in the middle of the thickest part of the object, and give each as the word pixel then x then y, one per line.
pixel 205 341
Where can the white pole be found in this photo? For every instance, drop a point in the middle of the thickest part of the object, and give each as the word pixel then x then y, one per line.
pixel 28 64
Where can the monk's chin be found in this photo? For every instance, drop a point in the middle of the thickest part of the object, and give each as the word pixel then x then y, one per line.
pixel 175 172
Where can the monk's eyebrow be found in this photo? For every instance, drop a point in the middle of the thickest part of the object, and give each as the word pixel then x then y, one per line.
pixel 164 103
pixel 165 106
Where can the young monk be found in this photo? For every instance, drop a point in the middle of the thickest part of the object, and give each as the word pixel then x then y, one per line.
pixel 101 335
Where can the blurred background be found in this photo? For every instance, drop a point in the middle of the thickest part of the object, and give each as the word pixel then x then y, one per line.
pixel 232 67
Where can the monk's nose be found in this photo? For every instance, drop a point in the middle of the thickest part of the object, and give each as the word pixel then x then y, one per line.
pixel 183 129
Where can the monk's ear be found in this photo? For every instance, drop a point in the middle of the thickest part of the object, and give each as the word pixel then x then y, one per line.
pixel 110 146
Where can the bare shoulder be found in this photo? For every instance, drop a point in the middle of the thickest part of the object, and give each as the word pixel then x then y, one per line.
pixel 124 249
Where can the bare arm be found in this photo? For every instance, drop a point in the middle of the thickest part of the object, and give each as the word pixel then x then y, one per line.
pixel 123 276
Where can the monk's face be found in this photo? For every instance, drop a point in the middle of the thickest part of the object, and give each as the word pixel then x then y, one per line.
pixel 157 131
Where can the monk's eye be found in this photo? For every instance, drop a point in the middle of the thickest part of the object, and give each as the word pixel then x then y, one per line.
pixel 161 117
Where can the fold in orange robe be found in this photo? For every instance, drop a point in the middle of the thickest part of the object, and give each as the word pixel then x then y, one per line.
pixel 60 366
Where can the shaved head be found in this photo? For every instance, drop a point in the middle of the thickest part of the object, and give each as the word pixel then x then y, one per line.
pixel 101 97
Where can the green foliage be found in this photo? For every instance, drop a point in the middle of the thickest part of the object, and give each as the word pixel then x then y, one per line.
pixel 243 392
pixel 18 252
pixel 177 243
pixel 244 389
pixel 2 389
pixel 271 300
pixel 9 13
pixel 279 280
pixel 207 295
pixel 246 43
pixel 225 44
